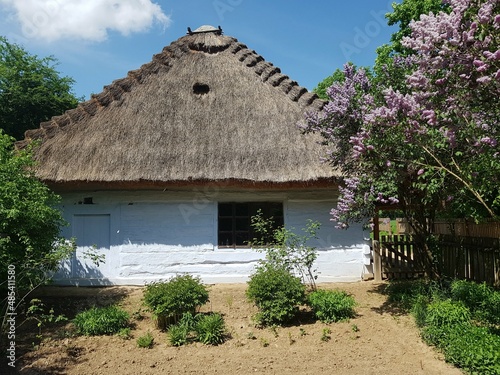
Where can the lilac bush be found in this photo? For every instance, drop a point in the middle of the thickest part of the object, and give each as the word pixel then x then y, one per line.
pixel 428 142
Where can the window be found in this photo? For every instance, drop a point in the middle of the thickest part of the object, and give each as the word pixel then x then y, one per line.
pixel 234 228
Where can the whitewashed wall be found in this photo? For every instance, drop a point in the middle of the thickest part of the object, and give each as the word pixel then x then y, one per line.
pixel 147 236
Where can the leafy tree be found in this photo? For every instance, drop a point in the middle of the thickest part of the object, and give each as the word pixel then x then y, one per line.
pixel 384 69
pixel 31 90
pixel 322 87
pixel 337 77
pixel 403 14
pixel 30 242
pixel 428 141
pixel 406 12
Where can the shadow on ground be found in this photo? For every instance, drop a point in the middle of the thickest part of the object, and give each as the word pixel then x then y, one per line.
pixel 58 301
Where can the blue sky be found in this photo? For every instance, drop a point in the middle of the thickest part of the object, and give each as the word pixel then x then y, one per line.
pixel 98 41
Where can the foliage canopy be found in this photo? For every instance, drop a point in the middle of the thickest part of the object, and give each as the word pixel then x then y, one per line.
pixel 423 133
pixel 31 90
pixel 29 222
pixel 31 247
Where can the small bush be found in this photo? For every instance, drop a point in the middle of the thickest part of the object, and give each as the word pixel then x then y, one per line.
pixel 446 313
pixel 178 334
pixel 210 329
pixel 493 309
pixel 470 293
pixel 287 249
pixel 125 333
pixel 101 321
pixel 482 300
pixel 276 293
pixel 169 300
pixel 146 341
pixel 331 305
pixel 404 293
pixel 325 335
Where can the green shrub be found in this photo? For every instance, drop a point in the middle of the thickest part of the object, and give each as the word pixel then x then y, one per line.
pixel 419 310
pixel 461 319
pixel 125 333
pixel 482 300
pixel 441 317
pixel 325 335
pixel 276 293
pixel 493 308
pixel 287 249
pixel 331 305
pixel 189 321
pixel 168 300
pixel 146 341
pixel 405 292
pixel 470 293
pixel 467 346
pixel 101 321
pixel 210 329
pixel 178 334
pixel 472 348
pixel 446 313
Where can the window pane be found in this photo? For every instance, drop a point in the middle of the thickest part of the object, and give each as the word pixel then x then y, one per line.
pixel 242 224
pixel 225 209
pixel 241 209
pixel 242 238
pixel 226 224
pixel 275 209
pixel 234 221
pixel 226 239
pixel 255 207
pixel 277 221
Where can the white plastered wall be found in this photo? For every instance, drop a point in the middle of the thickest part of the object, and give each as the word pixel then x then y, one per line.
pixel 147 236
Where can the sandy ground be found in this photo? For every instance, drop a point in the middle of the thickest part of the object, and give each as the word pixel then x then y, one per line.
pixel 379 340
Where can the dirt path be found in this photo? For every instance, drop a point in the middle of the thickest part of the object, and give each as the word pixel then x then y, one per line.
pixel 377 341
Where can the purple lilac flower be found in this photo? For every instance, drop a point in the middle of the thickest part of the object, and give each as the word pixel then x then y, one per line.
pixel 485 12
pixel 489 141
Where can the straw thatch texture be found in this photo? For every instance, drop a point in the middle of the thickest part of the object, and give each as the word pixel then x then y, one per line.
pixel 206 108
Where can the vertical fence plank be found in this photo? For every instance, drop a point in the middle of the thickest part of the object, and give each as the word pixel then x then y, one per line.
pixel 377 261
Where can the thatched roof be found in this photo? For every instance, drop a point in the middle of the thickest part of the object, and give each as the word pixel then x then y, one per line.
pixel 206 108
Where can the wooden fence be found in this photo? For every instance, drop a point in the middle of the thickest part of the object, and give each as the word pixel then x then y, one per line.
pixel 470 258
pixel 457 227
pixel 464 228
pixel 395 259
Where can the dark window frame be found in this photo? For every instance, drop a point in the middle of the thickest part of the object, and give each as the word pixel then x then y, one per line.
pixel 234 221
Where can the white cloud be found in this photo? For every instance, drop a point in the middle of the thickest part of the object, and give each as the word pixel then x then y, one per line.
pixel 91 20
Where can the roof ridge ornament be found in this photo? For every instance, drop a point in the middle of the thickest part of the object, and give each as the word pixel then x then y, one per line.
pixel 205 29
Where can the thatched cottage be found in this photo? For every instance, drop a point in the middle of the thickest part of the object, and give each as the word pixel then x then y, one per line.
pixel 162 171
